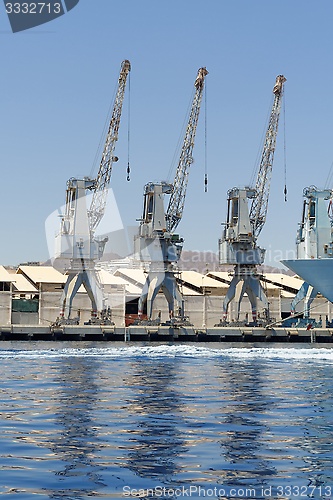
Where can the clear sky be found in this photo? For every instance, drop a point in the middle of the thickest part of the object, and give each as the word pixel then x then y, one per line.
pixel 58 82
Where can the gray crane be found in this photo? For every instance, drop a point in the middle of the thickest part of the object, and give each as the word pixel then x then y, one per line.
pixel 157 246
pixel 76 242
pixel 238 245
pixel 314 240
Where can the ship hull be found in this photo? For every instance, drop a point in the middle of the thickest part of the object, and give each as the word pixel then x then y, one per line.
pixel 316 272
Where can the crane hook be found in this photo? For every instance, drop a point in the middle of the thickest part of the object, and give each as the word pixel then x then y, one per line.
pixel 128 172
pixel 206 183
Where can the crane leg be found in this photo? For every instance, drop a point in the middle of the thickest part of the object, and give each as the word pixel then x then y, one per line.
pixel 180 299
pixel 229 297
pixel 241 284
pixel 310 296
pixel 66 303
pixel 254 292
pixel 143 297
pixel 154 287
pixel 74 281
pixel 236 289
pixel 254 306
pixel 94 291
pixel 172 294
pixel 306 292
pixel 170 299
pixel 299 296
pixel 150 289
pixel 154 282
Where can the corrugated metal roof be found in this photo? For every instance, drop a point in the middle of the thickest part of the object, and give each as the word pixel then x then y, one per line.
pixel 21 284
pixel 42 274
pixel 110 279
pixel 135 276
pixel 287 295
pixel 107 278
pixel 133 290
pixel 189 291
pixel 200 280
pixel 5 276
pixel 274 280
pixel 223 276
pixel 214 279
pixel 284 279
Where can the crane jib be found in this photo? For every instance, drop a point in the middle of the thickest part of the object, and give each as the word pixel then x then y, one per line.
pixel 177 199
pixel 98 203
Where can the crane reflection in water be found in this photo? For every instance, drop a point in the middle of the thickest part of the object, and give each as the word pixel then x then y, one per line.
pixel 77 443
pixel 242 423
pixel 156 442
pixel 270 424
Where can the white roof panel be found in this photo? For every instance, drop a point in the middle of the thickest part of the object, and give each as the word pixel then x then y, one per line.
pixel 42 274
pixel 5 276
pixel 200 280
pixel 108 278
pixel 136 276
pixel 21 284
pixel 284 279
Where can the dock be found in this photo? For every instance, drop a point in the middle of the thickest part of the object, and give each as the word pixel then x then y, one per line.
pixel 162 333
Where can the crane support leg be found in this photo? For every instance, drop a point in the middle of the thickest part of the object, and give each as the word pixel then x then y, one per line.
pixel 256 292
pixel 154 282
pixel 90 282
pixel 154 287
pixel 241 284
pixel 143 297
pixel 66 304
pixel 172 294
pixel 236 289
pixel 150 290
pixel 306 293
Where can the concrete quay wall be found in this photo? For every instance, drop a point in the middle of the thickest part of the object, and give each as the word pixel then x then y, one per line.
pixel 164 334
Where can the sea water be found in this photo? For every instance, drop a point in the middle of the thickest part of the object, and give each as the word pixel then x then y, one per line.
pixel 139 420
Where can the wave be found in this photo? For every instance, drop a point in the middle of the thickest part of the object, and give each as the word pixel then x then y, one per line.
pixel 175 351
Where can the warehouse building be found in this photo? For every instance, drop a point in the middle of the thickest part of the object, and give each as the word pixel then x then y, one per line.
pixel 31 294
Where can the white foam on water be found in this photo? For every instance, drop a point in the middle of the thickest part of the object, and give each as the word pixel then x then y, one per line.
pixel 175 351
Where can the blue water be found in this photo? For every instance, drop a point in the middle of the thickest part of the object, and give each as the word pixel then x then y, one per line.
pixel 102 420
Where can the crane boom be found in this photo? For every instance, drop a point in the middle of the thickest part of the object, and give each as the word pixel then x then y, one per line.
pixel 98 203
pixel 177 199
pixel 258 210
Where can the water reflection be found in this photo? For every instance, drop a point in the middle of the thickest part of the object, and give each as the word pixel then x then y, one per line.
pixel 77 442
pixel 314 403
pixel 157 442
pixel 81 427
pixel 245 402
pixel 275 430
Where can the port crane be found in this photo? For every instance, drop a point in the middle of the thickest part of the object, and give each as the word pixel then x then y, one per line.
pixel 314 238
pixel 238 245
pixel 76 242
pixel 157 245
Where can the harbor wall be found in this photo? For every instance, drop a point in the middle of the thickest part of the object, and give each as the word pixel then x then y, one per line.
pixel 5 308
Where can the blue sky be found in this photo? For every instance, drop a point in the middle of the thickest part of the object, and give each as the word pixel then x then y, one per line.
pixel 58 82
